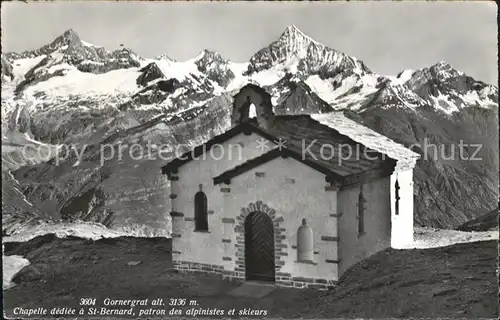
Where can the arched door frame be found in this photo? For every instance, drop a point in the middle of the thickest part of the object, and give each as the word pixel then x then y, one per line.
pixel 280 248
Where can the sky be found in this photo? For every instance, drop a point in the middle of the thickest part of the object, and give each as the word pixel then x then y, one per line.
pixel 389 36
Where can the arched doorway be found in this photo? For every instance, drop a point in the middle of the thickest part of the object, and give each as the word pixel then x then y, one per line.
pixel 259 247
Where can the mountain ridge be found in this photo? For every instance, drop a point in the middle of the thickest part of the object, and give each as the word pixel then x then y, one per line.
pixel 291 33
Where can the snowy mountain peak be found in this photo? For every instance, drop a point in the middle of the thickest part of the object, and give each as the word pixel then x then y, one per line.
pixel 291 46
pixel 292 27
pixel 69 38
pixel 295 42
pixel 68 52
pixel 204 54
pixel 7 69
pixel 443 66
pixel 294 33
pixel 209 56
pixel 216 67
pixel 439 71
pixel 296 52
pixel 448 89
pixel 164 56
pixel 70 33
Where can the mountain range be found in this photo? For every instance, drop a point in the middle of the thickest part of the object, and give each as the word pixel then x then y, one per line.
pixel 72 96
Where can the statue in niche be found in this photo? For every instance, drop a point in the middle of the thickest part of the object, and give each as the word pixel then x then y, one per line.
pixel 305 244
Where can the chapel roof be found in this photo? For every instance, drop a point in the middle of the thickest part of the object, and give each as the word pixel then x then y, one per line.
pixel 367 136
pixel 331 141
pixel 355 147
pixel 324 145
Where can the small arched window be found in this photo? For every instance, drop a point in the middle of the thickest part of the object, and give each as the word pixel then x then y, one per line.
pixel 361 212
pixel 200 210
pixel 252 111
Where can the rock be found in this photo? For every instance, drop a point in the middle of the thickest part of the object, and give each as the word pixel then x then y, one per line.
pixel 443 291
pixel 76 256
pixel 7 68
pixel 486 222
pixel 134 263
pixel 215 67
pixel 149 73
pixel 27 274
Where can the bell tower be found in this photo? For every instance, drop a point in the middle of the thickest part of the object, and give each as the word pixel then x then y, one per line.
pixel 252 103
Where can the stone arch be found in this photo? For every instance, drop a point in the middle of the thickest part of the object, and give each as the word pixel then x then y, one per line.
pixel 279 234
pixel 248 95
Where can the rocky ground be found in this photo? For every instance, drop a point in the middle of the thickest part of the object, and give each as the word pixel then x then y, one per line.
pixel 485 222
pixel 425 238
pixel 453 281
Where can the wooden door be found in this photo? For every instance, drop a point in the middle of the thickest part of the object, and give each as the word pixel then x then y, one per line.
pixel 259 247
